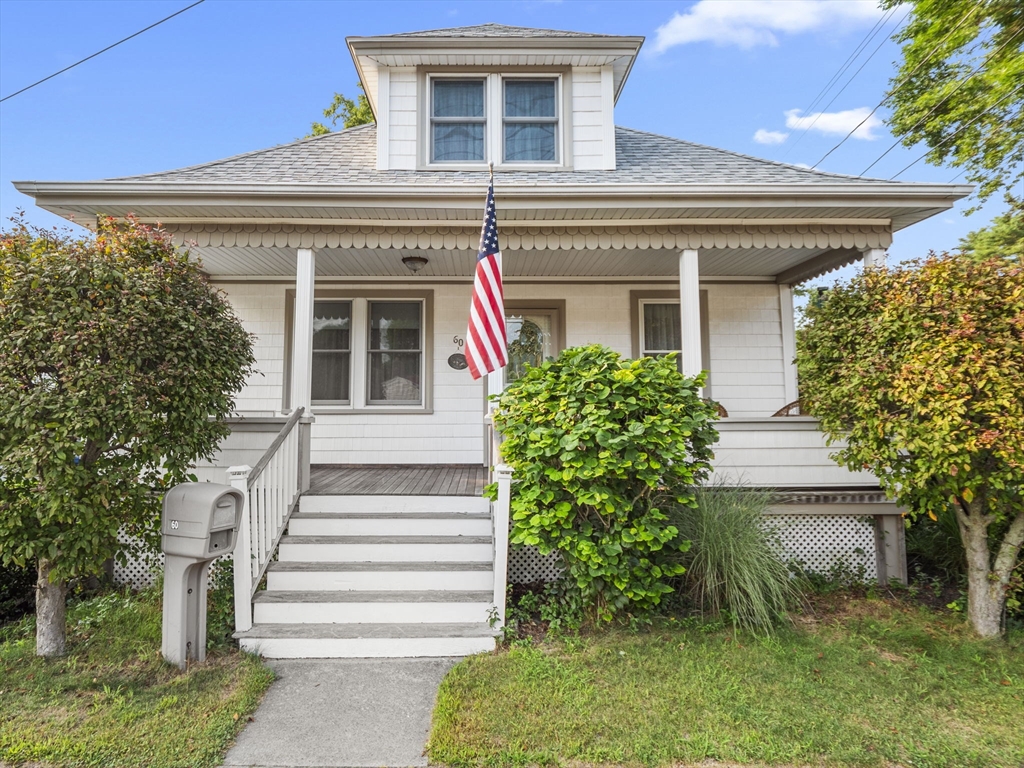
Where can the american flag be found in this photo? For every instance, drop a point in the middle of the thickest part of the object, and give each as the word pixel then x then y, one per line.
pixel 486 347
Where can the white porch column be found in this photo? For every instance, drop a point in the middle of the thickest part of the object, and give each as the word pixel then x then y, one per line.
pixel 788 342
pixel 875 257
pixel 689 309
pixel 302 356
pixel 302 331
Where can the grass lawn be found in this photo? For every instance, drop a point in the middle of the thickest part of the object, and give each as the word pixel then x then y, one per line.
pixel 113 702
pixel 856 682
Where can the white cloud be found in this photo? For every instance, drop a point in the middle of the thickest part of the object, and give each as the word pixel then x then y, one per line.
pixel 836 123
pixel 761 136
pixel 749 23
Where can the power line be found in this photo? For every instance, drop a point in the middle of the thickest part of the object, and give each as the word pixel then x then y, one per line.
pixel 93 56
pixel 944 99
pixel 854 76
pixel 840 72
pixel 899 85
pixel 958 131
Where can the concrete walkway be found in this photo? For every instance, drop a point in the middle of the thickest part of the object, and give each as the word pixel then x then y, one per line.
pixel 343 713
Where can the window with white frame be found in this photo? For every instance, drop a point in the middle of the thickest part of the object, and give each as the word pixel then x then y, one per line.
pixel 332 352
pixel 395 353
pixel 512 119
pixel 660 329
pixel 458 120
pixel 530 121
pixel 369 352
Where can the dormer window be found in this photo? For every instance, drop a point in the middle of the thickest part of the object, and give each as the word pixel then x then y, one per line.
pixel 503 119
pixel 530 121
pixel 457 120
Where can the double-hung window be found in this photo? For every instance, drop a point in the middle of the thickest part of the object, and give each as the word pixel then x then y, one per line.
pixel 657 328
pixel 660 329
pixel 458 120
pixel 371 351
pixel 395 352
pixel 512 120
pixel 530 121
pixel 332 352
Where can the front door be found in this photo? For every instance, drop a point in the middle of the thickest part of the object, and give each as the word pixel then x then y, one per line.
pixel 534 336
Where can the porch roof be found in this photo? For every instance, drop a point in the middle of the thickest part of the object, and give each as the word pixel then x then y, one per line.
pixel 334 177
pixel 246 215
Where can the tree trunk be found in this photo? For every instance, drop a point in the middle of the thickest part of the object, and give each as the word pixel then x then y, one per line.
pixel 987 579
pixel 51 603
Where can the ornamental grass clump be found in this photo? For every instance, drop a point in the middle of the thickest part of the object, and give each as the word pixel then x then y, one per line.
pixel 599 445
pixel 733 564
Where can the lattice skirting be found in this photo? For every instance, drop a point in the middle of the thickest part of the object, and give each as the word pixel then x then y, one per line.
pixel 830 545
pixel 823 544
pixel 142 572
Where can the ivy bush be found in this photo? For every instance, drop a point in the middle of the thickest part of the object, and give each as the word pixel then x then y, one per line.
pixel 599 445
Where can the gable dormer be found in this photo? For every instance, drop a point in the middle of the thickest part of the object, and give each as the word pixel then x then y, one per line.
pixel 458 99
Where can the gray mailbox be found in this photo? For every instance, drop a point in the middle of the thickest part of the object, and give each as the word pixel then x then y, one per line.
pixel 200 523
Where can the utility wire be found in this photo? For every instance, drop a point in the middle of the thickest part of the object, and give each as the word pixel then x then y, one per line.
pixel 839 73
pixel 854 76
pixel 958 131
pixel 900 84
pixel 93 56
pixel 944 99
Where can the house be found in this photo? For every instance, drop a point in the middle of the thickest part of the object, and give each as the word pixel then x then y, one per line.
pixel 350 257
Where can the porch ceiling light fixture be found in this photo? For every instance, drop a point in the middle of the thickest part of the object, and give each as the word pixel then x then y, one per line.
pixel 415 263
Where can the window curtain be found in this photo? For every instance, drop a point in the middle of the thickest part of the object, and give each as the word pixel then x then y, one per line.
pixel 662 328
pixel 455 141
pixel 526 141
pixel 332 330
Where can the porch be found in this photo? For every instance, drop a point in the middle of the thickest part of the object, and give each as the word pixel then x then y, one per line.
pixel 397 480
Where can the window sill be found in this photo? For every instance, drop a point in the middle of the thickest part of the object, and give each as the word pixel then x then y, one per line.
pixel 536 167
pixel 343 410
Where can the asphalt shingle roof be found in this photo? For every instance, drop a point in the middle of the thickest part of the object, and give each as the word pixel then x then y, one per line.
pixel 349 157
pixel 495 30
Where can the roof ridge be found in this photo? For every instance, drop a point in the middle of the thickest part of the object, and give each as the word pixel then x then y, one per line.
pixel 241 155
pixel 497 25
pixel 749 157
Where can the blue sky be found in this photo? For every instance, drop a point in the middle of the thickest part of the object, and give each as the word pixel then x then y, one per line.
pixel 230 76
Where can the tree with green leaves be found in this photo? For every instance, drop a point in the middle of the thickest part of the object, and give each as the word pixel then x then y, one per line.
pixel 1004 237
pixel 350 112
pixel 600 447
pixel 960 87
pixel 920 369
pixel 118 365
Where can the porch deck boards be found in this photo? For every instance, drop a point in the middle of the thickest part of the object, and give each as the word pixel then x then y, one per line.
pixel 396 480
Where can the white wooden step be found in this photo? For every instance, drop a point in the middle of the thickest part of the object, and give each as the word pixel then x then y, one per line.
pixel 385 549
pixel 387 524
pixel 311 503
pixel 334 641
pixel 348 607
pixel 290 576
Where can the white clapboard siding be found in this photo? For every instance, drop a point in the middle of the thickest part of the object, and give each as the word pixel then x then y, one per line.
pixel 588 117
pixel 781 452
pixel 402 105
pixel 747 366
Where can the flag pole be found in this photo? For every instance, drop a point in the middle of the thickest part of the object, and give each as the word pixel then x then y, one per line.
pixel 490 167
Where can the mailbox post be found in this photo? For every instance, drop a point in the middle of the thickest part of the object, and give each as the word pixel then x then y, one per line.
pixel 200 523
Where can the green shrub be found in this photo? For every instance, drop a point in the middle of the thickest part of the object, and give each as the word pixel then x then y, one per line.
pixel 220 605
pixel 599 444
pixel 732 565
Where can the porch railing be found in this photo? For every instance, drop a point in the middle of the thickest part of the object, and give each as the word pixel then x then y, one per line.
pixel 272 489
pixel 500 518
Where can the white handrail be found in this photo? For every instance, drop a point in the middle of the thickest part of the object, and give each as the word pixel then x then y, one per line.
pixel 272 491
pixel 500 516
